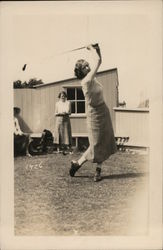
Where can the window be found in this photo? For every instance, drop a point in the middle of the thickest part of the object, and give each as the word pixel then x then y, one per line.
pixel 76 97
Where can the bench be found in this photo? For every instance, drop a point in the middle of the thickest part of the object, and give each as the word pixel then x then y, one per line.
pixel 120 141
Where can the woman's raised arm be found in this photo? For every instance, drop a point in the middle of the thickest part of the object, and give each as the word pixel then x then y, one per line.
pixel 96 56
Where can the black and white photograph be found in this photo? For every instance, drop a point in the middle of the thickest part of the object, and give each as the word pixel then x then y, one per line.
pixel 81 130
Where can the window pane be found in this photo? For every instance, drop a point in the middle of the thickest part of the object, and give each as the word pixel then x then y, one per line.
pixel 80 107
pixel 71 93
pixel 80 95
pixel 72 107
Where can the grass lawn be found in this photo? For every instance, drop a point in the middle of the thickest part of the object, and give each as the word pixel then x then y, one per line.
pixel 48 202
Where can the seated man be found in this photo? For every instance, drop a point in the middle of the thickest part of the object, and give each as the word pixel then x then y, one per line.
pixel 21 140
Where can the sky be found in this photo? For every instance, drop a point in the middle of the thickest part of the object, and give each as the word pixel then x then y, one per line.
pixel 40 33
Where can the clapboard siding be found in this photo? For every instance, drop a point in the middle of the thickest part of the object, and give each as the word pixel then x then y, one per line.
pixel 133 123
pixel 79 125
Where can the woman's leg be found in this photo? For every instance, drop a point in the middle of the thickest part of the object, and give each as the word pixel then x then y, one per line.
pixel 97 176
pixel 82 160
pixel 27 145
pixel 59 148
pixel 70 149
pixel 75 165
pixel 87 156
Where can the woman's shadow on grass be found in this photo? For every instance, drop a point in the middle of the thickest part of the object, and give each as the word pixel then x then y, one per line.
pixel 125 175
pixel 116 176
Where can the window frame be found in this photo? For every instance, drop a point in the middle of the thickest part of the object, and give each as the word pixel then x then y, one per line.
pixel 75 100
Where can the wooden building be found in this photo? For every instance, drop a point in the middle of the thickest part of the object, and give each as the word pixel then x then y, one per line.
pixel 38 104
pixel 133 123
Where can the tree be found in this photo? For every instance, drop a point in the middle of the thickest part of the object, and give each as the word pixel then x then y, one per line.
pixel 32 82
pixel 17 84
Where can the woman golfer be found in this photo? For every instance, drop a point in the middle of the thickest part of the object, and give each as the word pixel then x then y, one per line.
pixel 100 130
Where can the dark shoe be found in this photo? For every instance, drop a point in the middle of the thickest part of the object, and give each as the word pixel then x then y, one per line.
pixel 97 176
pixel 74 168
pixel 64 153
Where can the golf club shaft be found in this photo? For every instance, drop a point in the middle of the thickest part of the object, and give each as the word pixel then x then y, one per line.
pixel 68 51
pixel 83 47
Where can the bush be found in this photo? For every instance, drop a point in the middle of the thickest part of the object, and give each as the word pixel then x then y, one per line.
pixel 32 82
pixel 17 84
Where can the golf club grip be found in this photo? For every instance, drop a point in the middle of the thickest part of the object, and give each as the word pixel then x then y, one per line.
pixel 95 45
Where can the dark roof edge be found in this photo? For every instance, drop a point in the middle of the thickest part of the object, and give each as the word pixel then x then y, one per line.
pixel 71 79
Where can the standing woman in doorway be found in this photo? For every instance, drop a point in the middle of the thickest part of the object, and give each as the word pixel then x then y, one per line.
pixel 100 130
pixel 62 134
